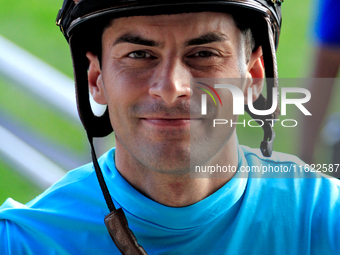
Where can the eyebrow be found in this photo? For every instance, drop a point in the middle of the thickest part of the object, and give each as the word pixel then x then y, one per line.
pixel 136 39
pixel 207 38
pixel 204 39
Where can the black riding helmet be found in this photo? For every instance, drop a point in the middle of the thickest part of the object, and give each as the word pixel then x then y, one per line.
pixel 82 23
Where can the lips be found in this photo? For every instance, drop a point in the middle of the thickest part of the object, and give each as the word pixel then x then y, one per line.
pixel 164 122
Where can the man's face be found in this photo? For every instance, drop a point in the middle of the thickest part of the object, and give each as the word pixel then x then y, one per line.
pixel 147 63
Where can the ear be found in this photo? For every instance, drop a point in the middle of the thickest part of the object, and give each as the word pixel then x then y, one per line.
pixel 255 74
pixel 95 80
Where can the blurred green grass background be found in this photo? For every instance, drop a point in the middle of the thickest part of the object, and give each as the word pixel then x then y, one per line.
pixel 31 25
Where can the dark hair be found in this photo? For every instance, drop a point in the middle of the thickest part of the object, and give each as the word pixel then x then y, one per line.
pixel 243 22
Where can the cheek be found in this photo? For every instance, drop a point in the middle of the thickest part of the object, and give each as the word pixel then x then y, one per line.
pixel 123 91
pixel 233 67
pixel 121 94
pixel 125 79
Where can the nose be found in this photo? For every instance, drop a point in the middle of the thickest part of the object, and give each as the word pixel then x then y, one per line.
pixel 171 81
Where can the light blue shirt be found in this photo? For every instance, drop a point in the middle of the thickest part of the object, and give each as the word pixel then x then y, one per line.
pixel 248 215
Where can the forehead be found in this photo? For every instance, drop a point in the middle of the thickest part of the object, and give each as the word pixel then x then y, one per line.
pixel 177 24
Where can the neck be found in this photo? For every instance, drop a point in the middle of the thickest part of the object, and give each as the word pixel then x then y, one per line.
pixel 175 190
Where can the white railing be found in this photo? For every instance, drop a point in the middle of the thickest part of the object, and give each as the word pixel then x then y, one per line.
pixel 30 162
pixel 51 86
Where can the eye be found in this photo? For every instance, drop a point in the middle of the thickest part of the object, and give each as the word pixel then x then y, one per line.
pixel 204 54
pixel 139 54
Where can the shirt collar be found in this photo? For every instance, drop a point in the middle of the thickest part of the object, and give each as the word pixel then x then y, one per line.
pixel 137 205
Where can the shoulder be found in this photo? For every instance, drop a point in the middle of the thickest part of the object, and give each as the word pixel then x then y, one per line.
pixel 291 177
pixel 283 165
pixel 81 180
pixel 78 184
pixel 286 177
pixel 300 196
pixel 279 165
pixel 54 200
pixel 255 155
pixel 73 202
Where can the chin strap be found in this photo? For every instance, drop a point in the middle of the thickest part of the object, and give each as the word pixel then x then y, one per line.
pixel 267 143
pixel 121 234
pixel 269 57
pixel 267 122
pixel 115 221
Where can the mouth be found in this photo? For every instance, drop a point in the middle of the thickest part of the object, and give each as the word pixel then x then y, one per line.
pixel 168 122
